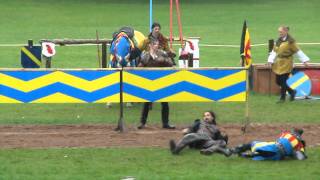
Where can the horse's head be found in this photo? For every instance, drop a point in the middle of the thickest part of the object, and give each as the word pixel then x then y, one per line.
pixel 121 49
pixel 126 51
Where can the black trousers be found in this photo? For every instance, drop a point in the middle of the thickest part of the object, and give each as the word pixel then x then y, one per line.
pixel 164 113
pixel 281 80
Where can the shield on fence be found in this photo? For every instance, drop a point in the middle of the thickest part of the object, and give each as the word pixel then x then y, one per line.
pixel 301 83
pixel 48 49
pixel 31 56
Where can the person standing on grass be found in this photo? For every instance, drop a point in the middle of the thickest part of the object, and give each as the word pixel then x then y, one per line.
pixel 204 135
pixel 155 57
pixel 163 41
pixel 281 60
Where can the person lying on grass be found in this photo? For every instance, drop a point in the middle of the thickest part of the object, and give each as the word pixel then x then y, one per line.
pixel 288 144
pixel 204 135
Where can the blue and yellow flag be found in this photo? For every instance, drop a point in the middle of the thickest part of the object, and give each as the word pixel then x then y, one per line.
pixel 31 57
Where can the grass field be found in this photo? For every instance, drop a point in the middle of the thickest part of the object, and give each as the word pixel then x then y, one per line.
pixel 262 109
pixel 216 22
pixel 146 163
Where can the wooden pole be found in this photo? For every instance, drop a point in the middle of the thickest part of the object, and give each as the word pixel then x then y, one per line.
pixel 48 62
pixel 121 122
pixel 104 55
pixel 171 33
pixel 270 48
pixel 30 43
pixel 98 49
pixel 66 41
pixel 77 41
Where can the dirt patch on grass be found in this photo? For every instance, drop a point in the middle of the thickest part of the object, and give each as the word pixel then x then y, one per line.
pixel 49 136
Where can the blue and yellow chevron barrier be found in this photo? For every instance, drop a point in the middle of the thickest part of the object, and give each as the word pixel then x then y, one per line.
pixel 139 85
pixel 184 85
pixel 60 86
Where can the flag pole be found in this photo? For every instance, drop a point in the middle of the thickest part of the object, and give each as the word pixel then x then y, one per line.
pixel 243 53
pixel 179 23
pixel 171 34
pixel 150 15
pixel 247 118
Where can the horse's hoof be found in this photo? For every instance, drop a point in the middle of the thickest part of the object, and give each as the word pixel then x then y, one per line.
pixel 108 105
pixel 129 105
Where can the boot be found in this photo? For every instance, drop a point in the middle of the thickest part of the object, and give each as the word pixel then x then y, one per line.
pixel 172 145
pixel 248 154
pixel 282 95
pixel 293 95
pixel 176 148
pixel 141 126
pixel 168 126
pixel 225 151
pixel 179 148
pixel 241 148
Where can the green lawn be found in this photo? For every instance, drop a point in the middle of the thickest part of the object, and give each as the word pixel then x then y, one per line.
pixel 146 163
pixel 262 109
pixel 216 22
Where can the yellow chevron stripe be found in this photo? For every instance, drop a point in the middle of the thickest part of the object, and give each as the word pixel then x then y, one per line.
pixel 260 144
pixel 31 56
pixel 59 76
pixel 184 75
pixel 184 97
pixel 5 99
pixel 299 82
pixel 237 97
pixel 131 98
pixel 113 98
pixel 58 98
pixel 116 98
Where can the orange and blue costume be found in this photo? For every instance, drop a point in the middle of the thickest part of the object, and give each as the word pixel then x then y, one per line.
pixel 288 144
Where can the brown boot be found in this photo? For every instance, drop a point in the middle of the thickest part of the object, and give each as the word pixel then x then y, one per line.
pixel 172 145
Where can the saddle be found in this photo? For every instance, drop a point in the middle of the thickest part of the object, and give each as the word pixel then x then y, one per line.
pixel 126 29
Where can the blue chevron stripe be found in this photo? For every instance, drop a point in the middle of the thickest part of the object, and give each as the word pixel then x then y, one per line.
pixel 215 74
pixel 59 87
pixel 26 75
pixel 85 74
pixel 187 87
pixel 90 75
pixel 152 74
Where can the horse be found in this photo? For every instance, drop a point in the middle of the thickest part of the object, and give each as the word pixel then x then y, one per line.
pixel 125 49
